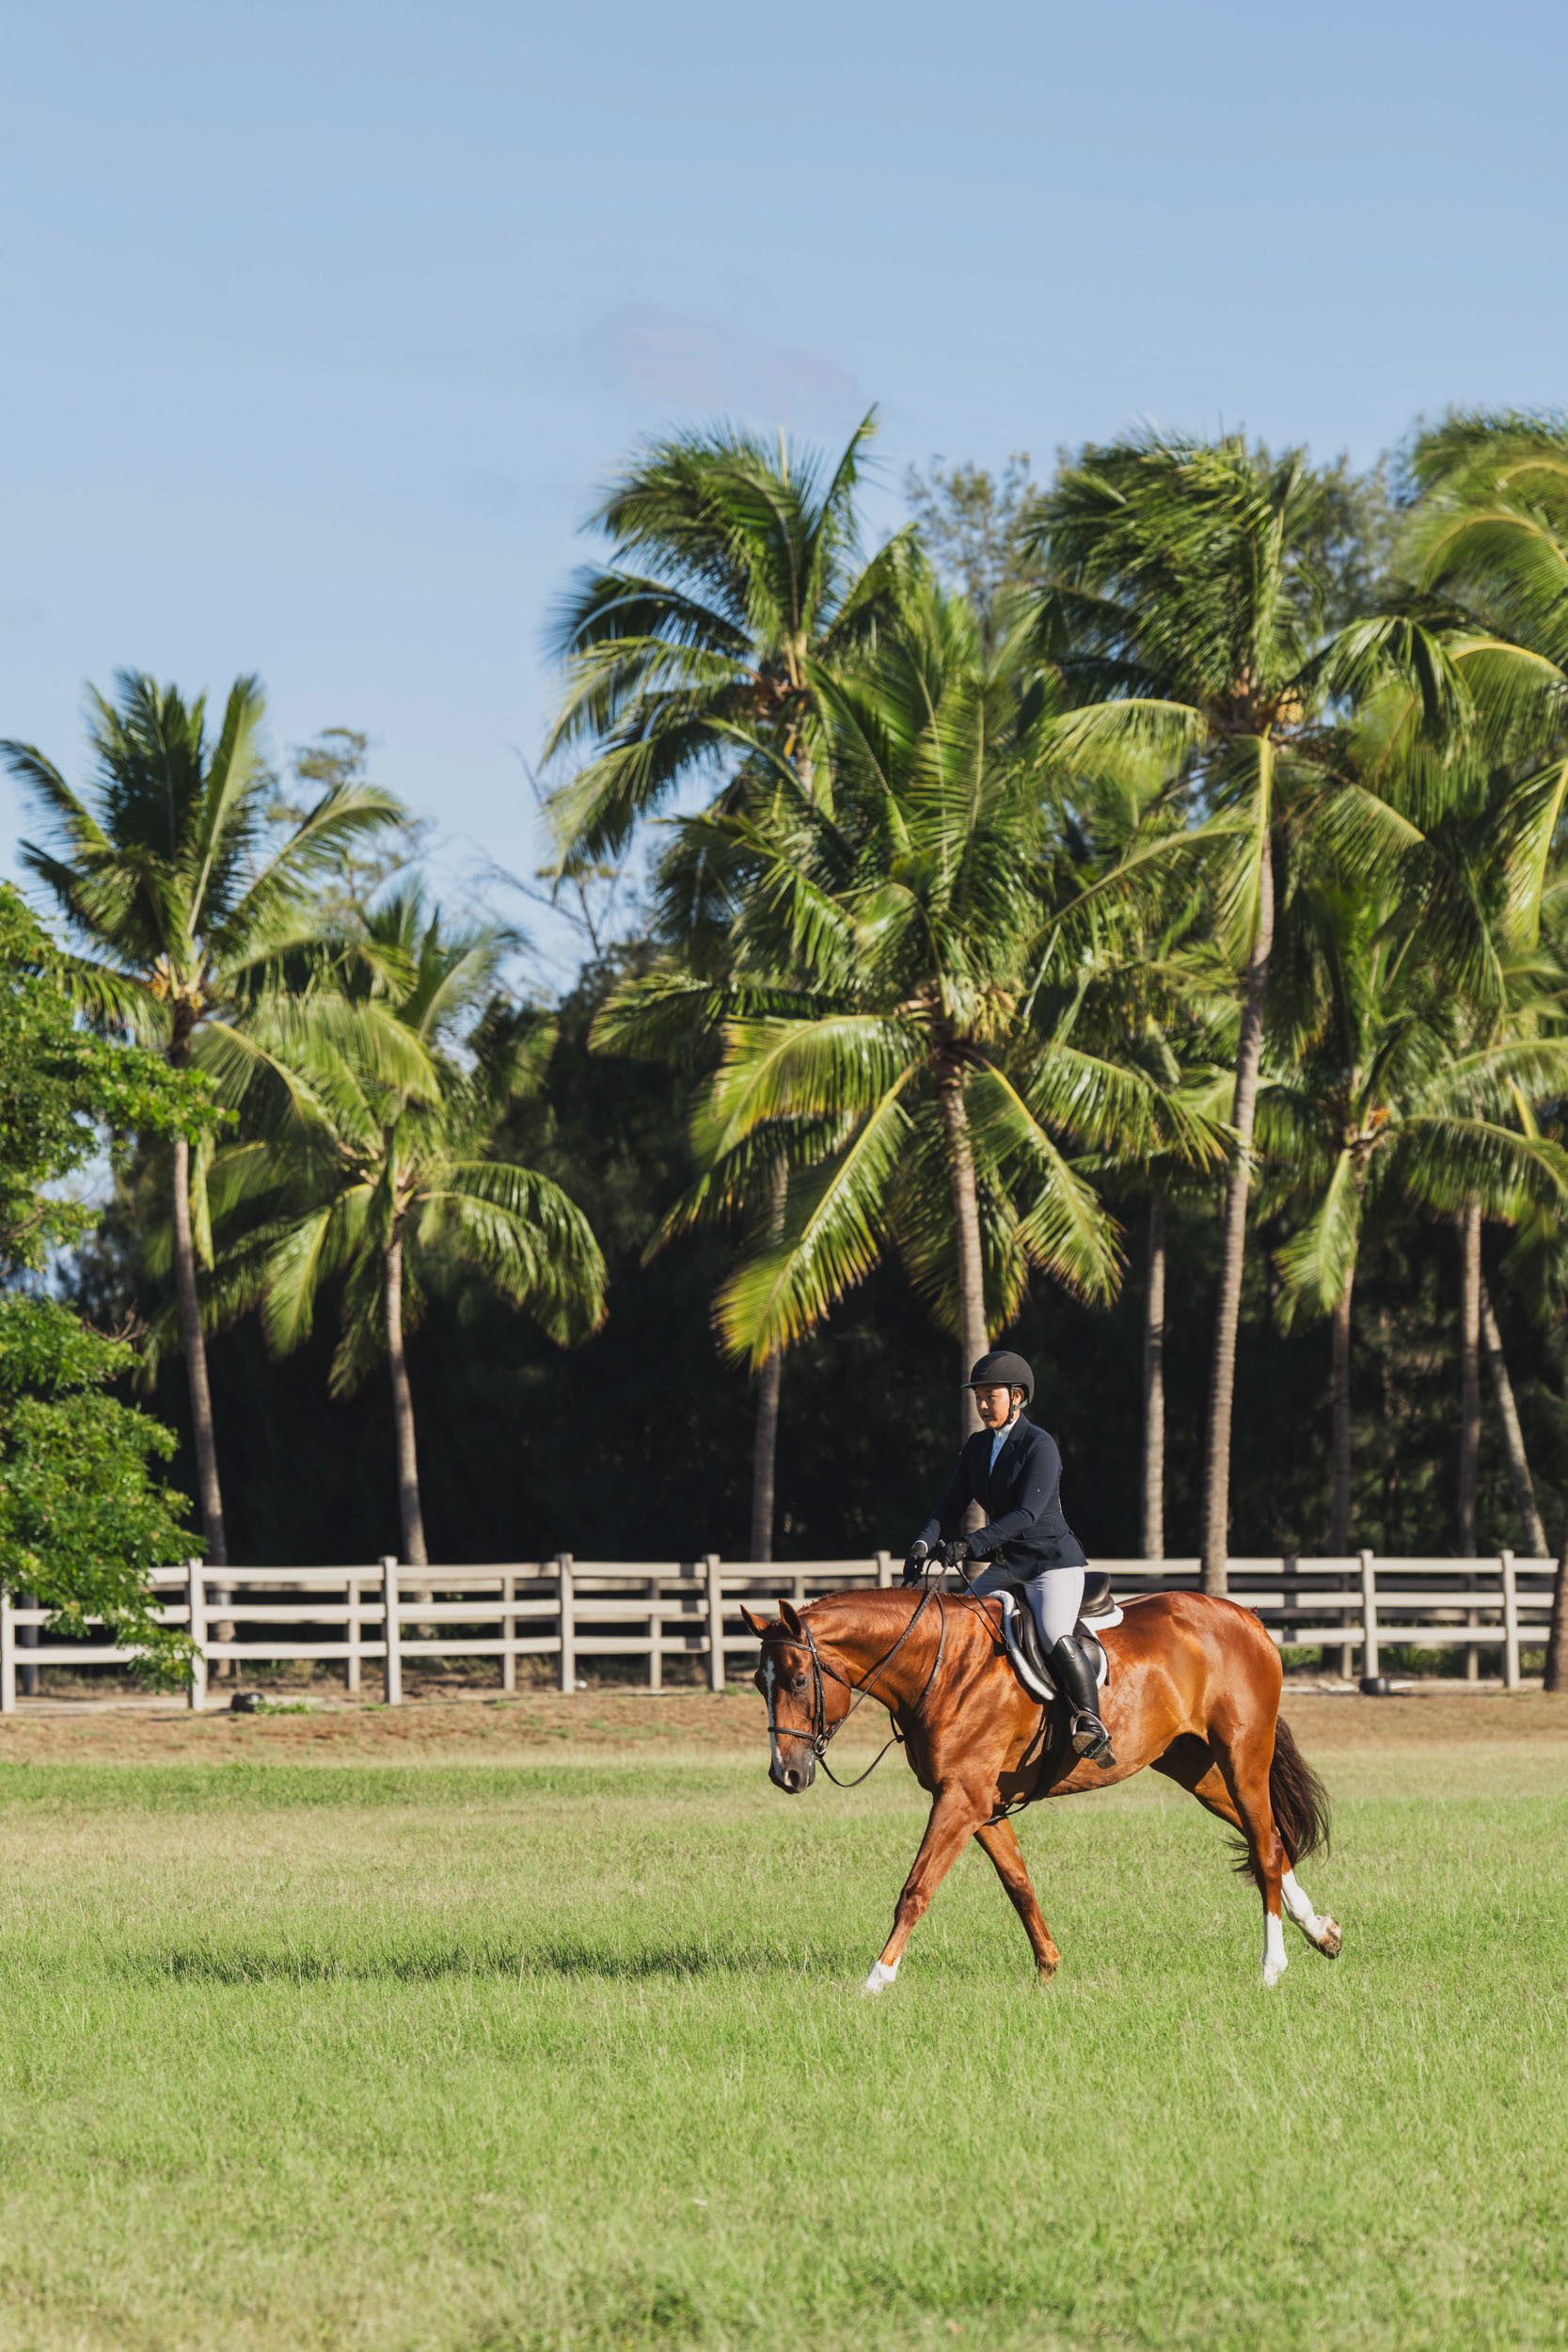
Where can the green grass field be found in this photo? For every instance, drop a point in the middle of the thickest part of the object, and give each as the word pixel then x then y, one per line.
pixel 554 2052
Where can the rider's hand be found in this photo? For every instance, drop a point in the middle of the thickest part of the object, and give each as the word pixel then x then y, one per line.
pixel 956 1552
pixel 914 1566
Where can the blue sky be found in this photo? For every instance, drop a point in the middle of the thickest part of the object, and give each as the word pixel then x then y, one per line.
pixel 323 324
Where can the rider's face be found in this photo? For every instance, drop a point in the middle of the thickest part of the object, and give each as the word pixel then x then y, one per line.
pixel 994 1407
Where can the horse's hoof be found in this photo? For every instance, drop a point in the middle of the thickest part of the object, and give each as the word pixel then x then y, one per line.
pixel 1273 1971
pixel 881 1978
pixel 1331 1939
pixel 1045 1970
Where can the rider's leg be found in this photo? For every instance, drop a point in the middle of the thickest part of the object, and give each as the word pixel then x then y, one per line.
pixel 1055 1598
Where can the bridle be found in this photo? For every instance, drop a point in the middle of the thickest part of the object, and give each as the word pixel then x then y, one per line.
pixel 821 1730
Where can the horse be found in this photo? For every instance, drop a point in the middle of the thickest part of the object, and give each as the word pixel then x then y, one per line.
pixel 1193 1692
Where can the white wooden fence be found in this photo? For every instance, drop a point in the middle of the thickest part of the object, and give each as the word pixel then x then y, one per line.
pixel 646 1613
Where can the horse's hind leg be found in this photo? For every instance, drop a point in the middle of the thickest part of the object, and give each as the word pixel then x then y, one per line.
pixel 999 1841
pixel 1197 1772
pixel 1322 1933
pixel 1226 1779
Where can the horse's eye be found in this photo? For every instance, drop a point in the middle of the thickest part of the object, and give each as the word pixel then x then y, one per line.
pixel 798 1683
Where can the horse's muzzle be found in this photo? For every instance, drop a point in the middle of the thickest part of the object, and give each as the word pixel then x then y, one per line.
pixel 793 1775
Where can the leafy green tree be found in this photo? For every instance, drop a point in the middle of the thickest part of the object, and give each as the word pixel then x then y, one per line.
pixel 737 586
pixel 381 1171
pixel 81 1515
pixel 362 865
pixel 184 911
pixel 971 523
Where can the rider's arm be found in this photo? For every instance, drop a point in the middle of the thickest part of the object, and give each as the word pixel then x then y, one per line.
pixel 1042 1479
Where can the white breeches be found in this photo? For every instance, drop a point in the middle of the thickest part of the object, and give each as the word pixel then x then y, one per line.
pixel 1054 1596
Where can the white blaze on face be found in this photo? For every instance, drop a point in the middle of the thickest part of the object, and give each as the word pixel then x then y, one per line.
pixel 768 1671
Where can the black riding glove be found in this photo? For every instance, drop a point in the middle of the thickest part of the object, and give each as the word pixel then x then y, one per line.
pixel 914 1566
pixel 956 1552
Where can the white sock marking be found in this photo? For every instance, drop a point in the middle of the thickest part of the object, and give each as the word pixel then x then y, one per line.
pixel 882 1974
pixel 1275 1962
pixel 1300 1909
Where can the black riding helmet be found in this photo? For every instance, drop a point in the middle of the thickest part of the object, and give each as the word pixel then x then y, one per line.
pixel 999 1368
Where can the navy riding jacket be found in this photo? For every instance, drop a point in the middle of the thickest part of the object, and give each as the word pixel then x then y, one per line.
pixel 1022 1499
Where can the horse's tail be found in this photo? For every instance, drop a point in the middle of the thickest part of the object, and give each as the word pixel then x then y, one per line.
pixel 1298 1799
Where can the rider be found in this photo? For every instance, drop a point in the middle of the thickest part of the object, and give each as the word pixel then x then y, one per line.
pixel 1013 1471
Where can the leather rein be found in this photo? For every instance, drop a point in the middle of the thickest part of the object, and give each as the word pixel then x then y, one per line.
pixel 821 1730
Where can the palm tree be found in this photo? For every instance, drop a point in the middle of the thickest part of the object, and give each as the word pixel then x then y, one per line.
pixel 737 584
pixel 740 584
pixel 1384 1091
pixel 185 909
pixel 383 1171
pixel 899 951
pixel 1489 541
pixel 1180 578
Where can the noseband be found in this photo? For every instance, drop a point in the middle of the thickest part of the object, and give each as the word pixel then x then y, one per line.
pixel 821 1730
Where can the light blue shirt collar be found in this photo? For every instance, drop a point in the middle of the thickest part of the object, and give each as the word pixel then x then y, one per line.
pixel 1000 1436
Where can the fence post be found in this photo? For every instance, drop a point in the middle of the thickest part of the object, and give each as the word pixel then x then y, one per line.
pixel 351 1677
pixel 508 1628
pixel 568 1623
pixel 656 1638
pixel 195 1587
pixel 394 1686
pixel 27 1638
pixel 8 1653
pixel 1510 1622
pixel 715 1625
pixel 884 1568
pixel 1369 1616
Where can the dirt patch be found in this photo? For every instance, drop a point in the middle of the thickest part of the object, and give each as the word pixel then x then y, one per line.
pixel 536 1724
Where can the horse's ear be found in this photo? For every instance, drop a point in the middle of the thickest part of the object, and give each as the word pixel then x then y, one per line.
pixel 791 1616
pixel 758 1624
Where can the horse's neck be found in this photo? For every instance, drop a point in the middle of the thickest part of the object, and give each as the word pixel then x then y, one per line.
pixel 856 1631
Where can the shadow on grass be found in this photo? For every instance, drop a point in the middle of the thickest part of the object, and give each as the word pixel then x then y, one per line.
pixel 567 1960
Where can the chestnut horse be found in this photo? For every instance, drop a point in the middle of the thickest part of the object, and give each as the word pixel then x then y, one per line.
pixel 1194 1692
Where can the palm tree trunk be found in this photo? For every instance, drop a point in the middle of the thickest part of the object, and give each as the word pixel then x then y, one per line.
pixel 1532 1535
pixel 1153 1539
pixel 765 1447
pixel 194 1341
pixel 1338 1512
pixel 966 1226
pixel 414 1550
pixel 1469 1363
pixel 1249 1055
pixel 1469 1407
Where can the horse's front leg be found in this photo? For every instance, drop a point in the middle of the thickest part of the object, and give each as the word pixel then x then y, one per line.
pixel 953 1820
pixel 1000 1840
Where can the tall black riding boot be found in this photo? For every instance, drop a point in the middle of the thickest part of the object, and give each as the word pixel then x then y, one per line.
pixel 1074 1677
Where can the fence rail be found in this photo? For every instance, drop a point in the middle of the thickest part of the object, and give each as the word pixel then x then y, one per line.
pixel 648 1611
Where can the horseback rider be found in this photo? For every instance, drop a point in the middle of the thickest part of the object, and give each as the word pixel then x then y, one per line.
pixel 1013 1469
